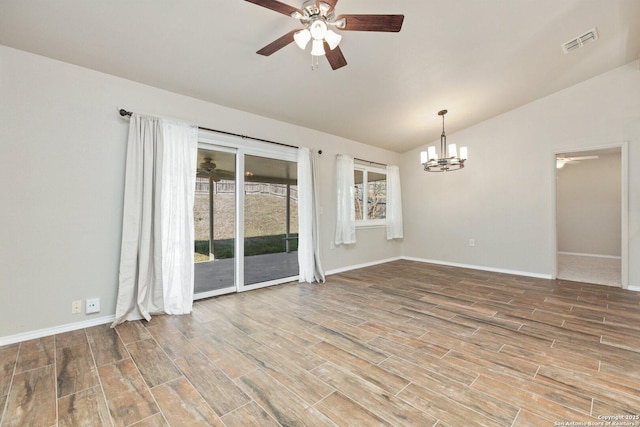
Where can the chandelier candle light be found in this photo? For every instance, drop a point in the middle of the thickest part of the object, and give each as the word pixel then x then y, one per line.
pixel 448 160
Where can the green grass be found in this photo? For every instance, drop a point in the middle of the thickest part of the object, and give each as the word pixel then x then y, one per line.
pixel 252 246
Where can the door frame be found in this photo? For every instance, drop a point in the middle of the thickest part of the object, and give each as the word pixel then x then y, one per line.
pixel 242 147
pixel 624 208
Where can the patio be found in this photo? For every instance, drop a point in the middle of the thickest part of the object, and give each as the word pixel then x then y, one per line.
pixel 219 274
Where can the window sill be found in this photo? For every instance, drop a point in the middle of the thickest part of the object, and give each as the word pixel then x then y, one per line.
pixel 380 223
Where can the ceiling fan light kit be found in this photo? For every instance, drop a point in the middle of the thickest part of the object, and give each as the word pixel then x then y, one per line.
pixel 317 17
pixel 448 160
pixel 333 39
pixel 302 38
pixel 318 29
pixel 317 49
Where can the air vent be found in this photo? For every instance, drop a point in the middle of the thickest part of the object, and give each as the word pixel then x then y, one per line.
pixel 580 41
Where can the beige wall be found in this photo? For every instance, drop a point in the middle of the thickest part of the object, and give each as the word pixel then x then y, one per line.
pixel 589 206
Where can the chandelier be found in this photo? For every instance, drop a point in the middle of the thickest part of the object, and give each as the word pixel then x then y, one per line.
pixel 448 160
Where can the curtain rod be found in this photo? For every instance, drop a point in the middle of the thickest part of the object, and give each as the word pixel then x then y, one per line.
pixel 370 162
pixel 124 113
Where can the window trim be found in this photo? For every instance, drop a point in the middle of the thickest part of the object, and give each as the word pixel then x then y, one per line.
pixel 369 223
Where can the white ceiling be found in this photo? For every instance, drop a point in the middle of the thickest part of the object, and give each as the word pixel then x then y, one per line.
pixel 476 58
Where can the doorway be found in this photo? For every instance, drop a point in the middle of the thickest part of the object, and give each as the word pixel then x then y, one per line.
pixel 590 216
pixel 245 219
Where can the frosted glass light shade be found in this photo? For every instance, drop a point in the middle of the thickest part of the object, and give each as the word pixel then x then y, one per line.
pixel 463 153
pixel 332 39
pixel 317 48
pixel 453 152
pixel 432 152
pixel 424 157
pixel 302 38
pixel 318 29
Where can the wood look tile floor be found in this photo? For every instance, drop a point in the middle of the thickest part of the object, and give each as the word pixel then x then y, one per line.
pixel 398 344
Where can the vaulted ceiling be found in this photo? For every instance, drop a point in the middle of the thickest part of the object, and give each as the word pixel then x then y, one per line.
pixel 475 58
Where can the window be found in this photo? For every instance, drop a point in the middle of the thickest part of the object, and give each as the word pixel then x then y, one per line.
pixel 370 195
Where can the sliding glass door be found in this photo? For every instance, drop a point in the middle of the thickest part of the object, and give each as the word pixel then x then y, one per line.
pixel 270 220
pixel 245 219
pixel 214 217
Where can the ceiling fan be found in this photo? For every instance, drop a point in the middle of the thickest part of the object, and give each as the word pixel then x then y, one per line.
pixel 207 169
pixel 561 161
pixel 318 18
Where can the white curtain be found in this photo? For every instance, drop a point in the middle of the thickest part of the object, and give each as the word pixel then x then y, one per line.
pixel 156 259
pixel 394 203
pixel 308 230
pixel 346 211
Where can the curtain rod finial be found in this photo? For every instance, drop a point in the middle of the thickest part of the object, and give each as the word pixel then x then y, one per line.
pixel 124 112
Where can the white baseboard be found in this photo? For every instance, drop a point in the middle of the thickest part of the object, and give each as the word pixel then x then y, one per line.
pixel 357 266
pixel 590 255
pixel 634 288
pixel 481 268
pixel 39 333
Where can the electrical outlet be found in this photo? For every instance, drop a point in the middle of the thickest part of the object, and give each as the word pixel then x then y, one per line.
pixel 93 305
pixel 76 307
pixel 472 242
pixel 332 245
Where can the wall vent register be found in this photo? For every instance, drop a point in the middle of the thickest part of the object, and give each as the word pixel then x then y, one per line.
pixel 581 40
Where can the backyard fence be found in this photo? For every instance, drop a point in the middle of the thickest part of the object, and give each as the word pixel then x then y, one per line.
pixel 222 187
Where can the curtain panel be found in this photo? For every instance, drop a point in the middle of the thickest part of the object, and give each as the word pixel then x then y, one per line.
pixel 156 258
pixel 346 211
pixel 309 261
pixel 394 203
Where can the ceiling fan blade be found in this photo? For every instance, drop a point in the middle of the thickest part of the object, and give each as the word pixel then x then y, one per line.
pixel 280 7
pixel 278 44
pixel 388 23
pixel 335 57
